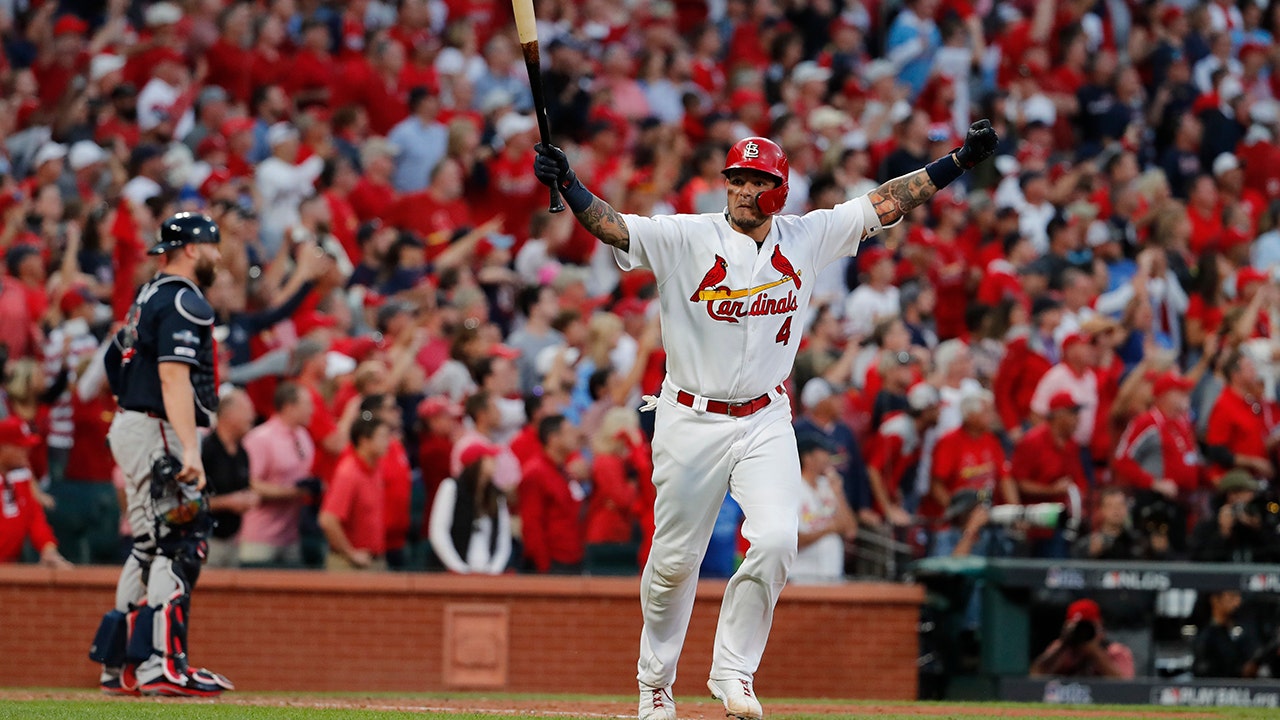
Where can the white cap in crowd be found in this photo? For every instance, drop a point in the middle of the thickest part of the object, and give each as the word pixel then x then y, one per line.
pixel 814 392
pixel 85 153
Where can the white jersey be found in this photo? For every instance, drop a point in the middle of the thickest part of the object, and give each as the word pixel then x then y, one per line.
pixel 727 306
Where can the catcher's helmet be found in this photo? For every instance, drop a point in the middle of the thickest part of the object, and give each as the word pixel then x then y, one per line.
pixel 184 228
pixel 764 155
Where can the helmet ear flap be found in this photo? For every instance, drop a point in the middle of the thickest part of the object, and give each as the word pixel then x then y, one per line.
pixel 770 202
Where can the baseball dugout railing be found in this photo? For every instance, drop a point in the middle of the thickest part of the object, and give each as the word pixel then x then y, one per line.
pixel 984 620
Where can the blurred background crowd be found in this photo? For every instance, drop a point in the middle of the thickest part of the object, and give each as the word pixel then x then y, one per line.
pixel 1087 320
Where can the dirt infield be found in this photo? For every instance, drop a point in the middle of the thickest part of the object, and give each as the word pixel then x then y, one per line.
pixel 586 708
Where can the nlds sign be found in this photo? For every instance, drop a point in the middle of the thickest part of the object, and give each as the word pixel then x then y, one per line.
pixel 1134 580
pixel 1262 582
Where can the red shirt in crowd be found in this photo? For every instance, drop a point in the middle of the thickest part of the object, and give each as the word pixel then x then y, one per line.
pixel 615 505
pixel 433 460
pixel 964 461
pixel 525 445
pixel 1261 162
pixel 268 68
pixel 949 274
pixel 550 515
pixel 397 481
pixel 310 72
pixel 1001 281
pixel 1154 447
pixel 1240 425
pixel 1210 317
pixel 430 219
pixel 343 223
pixel 322 426
pixel 54 77
pixel 1015 381
pixel 1205 229
pixel 1040 458
pixel 17 323
pixel 386 103
pixel 90 460
pixel 230 68
pixel 372 200
pixel 514 193
pixel 39 427
pixel 128 254
pixel 356 497
pixel 893 450
pixel 21 516
pixel 1109 379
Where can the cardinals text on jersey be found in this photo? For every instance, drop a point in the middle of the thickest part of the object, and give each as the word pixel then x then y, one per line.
pixel 727 305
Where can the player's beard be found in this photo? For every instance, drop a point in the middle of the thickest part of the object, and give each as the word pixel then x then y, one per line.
pixel 206 272
pixel 751 221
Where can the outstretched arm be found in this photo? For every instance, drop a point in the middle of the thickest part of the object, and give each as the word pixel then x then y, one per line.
pixel 894 199
pixel 551 166
pixel 899 196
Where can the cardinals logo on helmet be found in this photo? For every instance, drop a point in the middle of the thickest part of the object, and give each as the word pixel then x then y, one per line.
pixel 751 150
pixel 725 304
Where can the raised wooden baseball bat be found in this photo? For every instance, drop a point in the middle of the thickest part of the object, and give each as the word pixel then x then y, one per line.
pixel 527 29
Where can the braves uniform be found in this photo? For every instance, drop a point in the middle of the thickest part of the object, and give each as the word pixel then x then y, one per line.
pixel 142 643
pixel 729 312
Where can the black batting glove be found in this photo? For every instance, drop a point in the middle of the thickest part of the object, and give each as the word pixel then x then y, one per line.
pixel 979 145
pixel 551 166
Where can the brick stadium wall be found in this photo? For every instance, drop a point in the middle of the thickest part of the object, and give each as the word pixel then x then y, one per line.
pixel 308 631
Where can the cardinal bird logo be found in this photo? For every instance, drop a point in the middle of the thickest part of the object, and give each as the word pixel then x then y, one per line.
pixel 716 275
pixel 783 265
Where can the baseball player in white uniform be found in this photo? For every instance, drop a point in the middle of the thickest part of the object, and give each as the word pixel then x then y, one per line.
pixel 730 287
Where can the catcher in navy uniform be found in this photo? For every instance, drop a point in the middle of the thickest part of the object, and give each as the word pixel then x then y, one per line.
pixel 162 371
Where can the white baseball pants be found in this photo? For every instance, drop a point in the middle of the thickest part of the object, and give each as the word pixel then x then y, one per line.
pixel 696 455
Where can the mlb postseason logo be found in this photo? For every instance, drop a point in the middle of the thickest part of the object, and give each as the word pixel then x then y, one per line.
pixel 1062 578
pixel 1261 582
pixel 186 337
pixel 1064 693
pixel 751 150
pixel 1227 696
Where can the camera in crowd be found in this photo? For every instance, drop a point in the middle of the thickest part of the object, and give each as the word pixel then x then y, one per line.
pixel 1262 512
pixel 1082 634
pixel 1039 515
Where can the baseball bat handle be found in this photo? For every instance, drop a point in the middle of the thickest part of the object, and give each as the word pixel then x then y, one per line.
pixel 532 63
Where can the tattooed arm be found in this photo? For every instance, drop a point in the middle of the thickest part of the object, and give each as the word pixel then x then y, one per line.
pixel 894 199
pixel 601 220
pixel 551 167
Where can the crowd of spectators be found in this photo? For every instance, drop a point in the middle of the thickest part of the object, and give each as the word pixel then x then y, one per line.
pixel 424 368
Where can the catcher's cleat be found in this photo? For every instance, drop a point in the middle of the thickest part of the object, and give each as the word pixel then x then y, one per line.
pixel 186 686
pixel 115 687
pixel 210 677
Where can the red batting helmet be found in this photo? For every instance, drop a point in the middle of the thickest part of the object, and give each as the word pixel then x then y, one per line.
pixel 757 153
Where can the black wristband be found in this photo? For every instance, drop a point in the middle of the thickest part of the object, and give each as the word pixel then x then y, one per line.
pixel 944 171
pixel 576 195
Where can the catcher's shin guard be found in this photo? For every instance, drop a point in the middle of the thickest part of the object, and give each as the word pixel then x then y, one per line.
pixel 141 635
pixel 109 642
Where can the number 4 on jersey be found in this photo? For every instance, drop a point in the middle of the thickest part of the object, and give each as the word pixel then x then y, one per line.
pixel 784 332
